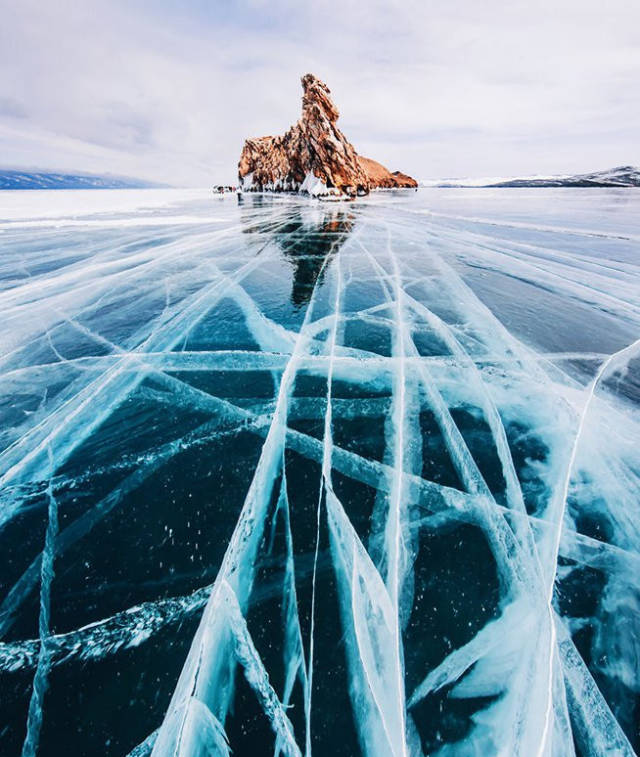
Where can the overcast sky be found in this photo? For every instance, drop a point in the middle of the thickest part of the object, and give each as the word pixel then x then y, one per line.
pixel 169 89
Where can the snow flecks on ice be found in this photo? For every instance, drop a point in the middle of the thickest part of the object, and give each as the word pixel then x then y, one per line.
pixel 415 503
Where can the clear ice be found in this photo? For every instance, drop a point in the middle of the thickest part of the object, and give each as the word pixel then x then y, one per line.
pixel 294 478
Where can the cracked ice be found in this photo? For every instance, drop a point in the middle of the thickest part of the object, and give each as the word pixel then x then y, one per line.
pixel 288 478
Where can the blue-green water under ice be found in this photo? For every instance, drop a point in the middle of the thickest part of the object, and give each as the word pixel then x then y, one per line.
pixel 302 478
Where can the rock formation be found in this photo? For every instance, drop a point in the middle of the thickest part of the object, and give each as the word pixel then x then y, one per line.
pixel 313 156
pixel 380 177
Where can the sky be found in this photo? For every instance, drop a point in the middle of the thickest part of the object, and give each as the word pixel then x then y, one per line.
pixel 167 90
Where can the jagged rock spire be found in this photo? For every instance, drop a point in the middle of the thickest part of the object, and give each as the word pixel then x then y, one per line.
pixel 317 97
pixel 314 155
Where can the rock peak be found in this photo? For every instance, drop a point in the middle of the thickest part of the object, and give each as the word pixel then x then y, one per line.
pixel 316 99
pixel 314 156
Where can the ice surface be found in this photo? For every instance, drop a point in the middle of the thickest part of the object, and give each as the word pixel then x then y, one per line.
pixel 289 478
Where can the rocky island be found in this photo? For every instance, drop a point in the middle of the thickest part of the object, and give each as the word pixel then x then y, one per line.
pixel 314 156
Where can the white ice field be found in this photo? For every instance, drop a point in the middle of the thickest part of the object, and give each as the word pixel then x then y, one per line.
pixel 284 477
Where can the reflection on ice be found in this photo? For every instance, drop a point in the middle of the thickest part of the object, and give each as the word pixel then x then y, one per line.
pixel 309 239
pixel 292 478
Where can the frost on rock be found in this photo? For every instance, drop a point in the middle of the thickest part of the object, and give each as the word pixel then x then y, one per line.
pixel 288 480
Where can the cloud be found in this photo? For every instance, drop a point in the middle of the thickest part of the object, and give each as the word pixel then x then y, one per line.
pixel 168 90
pixel 11 108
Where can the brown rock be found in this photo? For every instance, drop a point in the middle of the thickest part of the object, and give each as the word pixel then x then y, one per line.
pixel 379 176
pixel 314 156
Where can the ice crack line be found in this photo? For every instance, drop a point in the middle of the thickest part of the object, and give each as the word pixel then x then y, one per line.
pixel 623 355
pixel 40 679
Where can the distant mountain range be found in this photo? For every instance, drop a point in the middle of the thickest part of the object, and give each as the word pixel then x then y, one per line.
pixel 622 176
pixel 16 179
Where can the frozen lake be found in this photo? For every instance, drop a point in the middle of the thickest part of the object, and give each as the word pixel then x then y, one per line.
pixel 289 477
